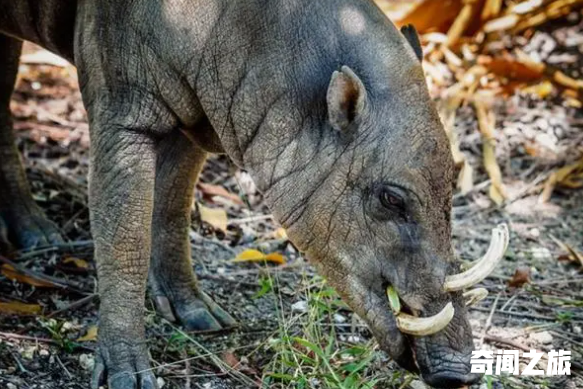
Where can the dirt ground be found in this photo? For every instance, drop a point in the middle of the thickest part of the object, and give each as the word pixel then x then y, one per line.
pixel 53 348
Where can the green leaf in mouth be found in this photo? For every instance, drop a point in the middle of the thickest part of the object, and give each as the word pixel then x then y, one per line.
pixel 394 300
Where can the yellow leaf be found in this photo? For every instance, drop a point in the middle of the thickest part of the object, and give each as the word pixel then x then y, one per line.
pixel 275 258
pixel 566 172
pixel 90 336
pixel 486 122
pixel 461 23
pixel 13 274
pixel 491 9
pixel 15 307
pixel 570 176
pixel 548 188
pixel 80 263
pixel 216 217
pixel 495 195
pixel 251 255
pixel 541 90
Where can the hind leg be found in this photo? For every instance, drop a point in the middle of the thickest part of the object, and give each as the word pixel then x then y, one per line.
pixel 172 280
pixel 24 221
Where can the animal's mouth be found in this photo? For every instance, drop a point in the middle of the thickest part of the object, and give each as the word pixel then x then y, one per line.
pixel 447 369
pixel 411 323
pixel 419 331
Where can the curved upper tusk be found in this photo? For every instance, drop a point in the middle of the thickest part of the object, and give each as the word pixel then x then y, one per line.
pixel 484 266
pixel 474 296
pixel 421 326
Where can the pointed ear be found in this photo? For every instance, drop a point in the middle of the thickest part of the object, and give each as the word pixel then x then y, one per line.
pixel 412 37
pixel 346 99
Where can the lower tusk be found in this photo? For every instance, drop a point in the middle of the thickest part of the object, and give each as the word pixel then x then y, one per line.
pixel 421 326
pixel 474 296
pixel 484 266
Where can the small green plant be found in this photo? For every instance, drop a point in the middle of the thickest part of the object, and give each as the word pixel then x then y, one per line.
pixel 309 353
pixel 59 334
pixel 564 316
pixel 266 285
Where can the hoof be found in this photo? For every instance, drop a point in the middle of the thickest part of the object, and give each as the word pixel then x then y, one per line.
pixel 192 308
pixel 123 365
pixel 33 231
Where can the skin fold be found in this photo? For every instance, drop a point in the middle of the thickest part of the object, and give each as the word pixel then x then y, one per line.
pixel 323 102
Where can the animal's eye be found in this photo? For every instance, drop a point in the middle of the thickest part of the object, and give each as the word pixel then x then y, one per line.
pixel 391 199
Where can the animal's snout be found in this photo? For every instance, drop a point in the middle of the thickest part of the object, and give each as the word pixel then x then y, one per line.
pixel 451 379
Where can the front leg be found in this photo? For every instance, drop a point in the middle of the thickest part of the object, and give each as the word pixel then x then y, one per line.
pixel 121 200
pixel 173 283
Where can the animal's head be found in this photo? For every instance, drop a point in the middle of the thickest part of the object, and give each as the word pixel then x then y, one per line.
pixel 372 209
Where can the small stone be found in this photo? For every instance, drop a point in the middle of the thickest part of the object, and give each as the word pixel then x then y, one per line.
pixel 543 337
pixel 300 306
pixel 43 353
pixel 86 361
pixel 28 352
pixel 534 232
pixel 541 253
pixel 577 329
pixel 416 384
pixel 160 382
pixel 11 386
pixel 338 318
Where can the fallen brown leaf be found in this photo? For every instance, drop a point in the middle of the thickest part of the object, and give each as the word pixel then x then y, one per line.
pixel 11 273
pixel 521 276
pixel 90 335
pixel 511 68
pixel 467 17
pixel 432 15
pixel 572 254
pixel 80 263
pixel 210 190
pixel 16 308
pixel 231 359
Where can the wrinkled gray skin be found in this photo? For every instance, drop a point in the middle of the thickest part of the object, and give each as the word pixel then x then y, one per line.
pixel 355 166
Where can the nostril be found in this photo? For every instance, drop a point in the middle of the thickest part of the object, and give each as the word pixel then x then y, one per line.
pixel 448 379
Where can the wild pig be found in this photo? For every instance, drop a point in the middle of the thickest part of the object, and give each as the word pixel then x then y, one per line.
pixel 323 102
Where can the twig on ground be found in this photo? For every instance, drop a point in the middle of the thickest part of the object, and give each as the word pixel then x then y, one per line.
pixel 488 321
pixel 26 254
pixel 75 304
pixel 59 282
pixel 63 367
pixel 251 219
